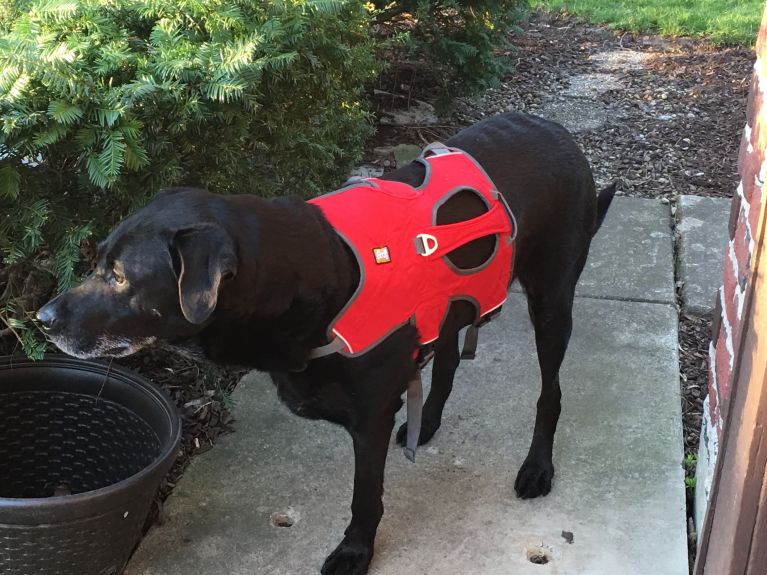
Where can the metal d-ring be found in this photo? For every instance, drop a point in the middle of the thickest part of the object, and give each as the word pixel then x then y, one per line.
pixel 426 249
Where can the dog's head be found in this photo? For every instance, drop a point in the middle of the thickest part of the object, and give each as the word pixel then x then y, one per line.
pixel 157 275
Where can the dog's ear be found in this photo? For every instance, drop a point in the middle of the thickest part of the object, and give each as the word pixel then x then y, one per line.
pixel 203 255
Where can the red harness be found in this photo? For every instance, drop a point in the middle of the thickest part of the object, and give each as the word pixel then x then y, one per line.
pixel 404 274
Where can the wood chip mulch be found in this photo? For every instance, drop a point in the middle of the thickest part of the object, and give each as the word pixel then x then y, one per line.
pixel 201 392
pixel 694 339
pixel 674 128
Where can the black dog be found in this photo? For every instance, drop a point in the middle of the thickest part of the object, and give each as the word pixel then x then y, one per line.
pixel 257 282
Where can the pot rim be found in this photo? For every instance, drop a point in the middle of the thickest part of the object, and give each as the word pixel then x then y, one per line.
pixel 79 501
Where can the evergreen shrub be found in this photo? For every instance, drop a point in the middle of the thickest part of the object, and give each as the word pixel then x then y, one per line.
pixel 103 102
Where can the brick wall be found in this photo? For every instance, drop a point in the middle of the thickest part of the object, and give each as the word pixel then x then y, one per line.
pixel 748 202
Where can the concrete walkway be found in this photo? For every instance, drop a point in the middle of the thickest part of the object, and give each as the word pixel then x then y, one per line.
pixel 702 235
pixel 619 487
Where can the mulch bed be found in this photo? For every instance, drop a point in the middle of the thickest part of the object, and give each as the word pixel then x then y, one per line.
pixel 694 339
pixel 674 129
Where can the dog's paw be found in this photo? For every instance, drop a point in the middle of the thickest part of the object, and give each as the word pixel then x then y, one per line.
pixel 348 559
pixel 427 432
pixel 534 479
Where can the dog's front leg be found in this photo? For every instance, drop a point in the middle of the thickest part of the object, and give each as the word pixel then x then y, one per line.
pixel 371 442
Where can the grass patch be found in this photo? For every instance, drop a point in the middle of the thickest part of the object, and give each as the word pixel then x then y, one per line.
pixel 723 21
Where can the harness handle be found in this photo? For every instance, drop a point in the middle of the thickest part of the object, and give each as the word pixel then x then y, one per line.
pixel 435 149
pixel 448 237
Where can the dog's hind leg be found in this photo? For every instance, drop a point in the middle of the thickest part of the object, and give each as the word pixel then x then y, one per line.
pixel 552 320
pixel 550 293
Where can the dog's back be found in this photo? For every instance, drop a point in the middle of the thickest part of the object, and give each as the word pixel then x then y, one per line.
pixel 547 182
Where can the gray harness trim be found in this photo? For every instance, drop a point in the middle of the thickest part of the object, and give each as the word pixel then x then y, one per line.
pixel 415 393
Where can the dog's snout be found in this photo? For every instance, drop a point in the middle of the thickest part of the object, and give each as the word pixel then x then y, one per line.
pixel 48 315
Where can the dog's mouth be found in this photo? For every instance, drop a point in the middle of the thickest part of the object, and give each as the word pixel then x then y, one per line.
pixel 126 349
pixel 105 346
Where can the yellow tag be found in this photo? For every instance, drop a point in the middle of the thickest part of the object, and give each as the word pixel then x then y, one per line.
pixel 382 255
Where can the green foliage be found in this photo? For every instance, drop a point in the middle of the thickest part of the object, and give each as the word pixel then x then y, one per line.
pixel 465 40
pixel 103 102
pixel 689 463
pixel 723 21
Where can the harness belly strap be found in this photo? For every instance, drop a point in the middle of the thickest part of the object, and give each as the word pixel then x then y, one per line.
pixel 414 413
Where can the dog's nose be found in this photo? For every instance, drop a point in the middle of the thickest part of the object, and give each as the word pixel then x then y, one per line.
pixel 46 315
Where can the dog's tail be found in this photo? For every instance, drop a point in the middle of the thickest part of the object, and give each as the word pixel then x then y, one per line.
pixel 603 202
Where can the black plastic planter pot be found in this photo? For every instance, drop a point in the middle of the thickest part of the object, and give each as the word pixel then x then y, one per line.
pixel 83 449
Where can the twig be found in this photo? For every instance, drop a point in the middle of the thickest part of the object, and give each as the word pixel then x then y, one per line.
pixel 6 295
pixel 394 88
pixel 104 381
pixel 410 88
pixel 9 328
pixel 203 406
pixel 425 126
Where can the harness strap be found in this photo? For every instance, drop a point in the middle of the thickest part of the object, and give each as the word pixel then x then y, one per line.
pixel 447 237
pixel 470 342
pixel 414 412
pixel 415 386
pixel 336 344
pixel 435 149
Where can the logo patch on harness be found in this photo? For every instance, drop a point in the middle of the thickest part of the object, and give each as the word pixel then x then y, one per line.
pixel 382 255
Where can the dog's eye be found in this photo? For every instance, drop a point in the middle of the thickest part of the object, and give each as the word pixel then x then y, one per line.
pixel 118 278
